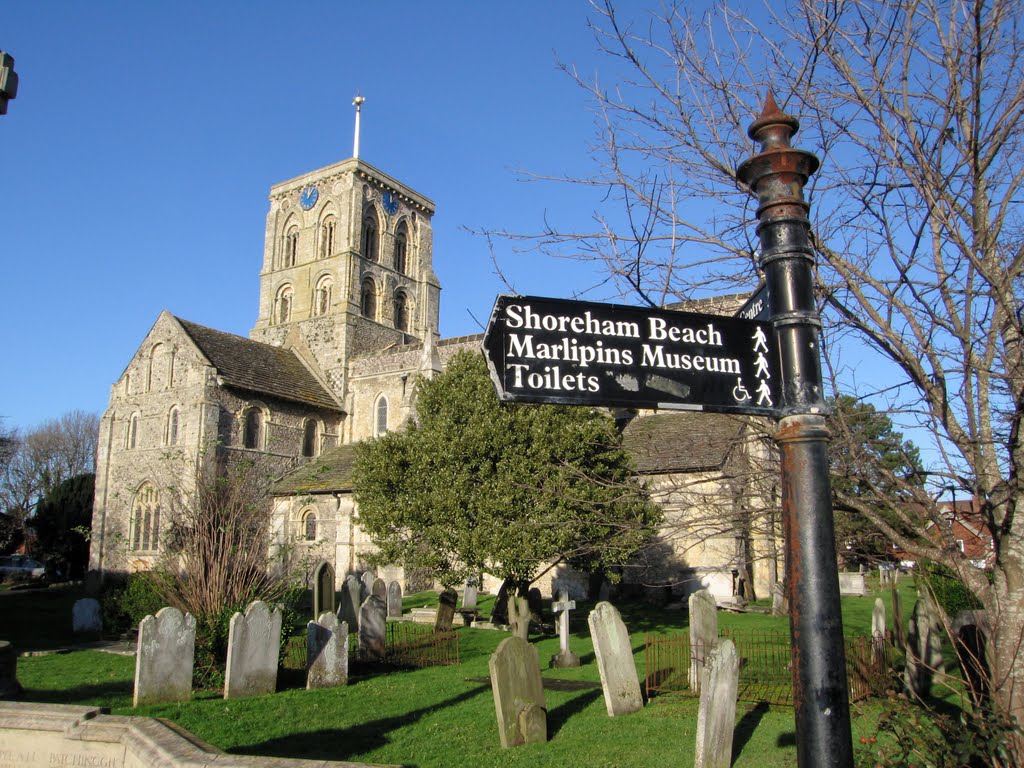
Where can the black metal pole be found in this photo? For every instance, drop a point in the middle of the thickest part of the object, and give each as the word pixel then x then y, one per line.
pixel 777 175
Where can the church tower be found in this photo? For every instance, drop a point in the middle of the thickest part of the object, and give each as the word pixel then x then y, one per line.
pixel 347 268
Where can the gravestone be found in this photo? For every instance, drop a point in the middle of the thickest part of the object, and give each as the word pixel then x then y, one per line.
pixel 703 634
pixel 518 693
pixel 716 714
pixel 373 618
pixel 446 603
pixel 379 588
pixel 164 657
pixel 367 584
pixel 350 602
pixel 897 618
pixel 924 646
pixel 878 627
pixel 614 654
pixel 326 652
pixel 852 585
pixel 519 616
pixel 254 642
pixel 394 600
pixel 323 589
pixel 565 657
pixel 469 594
pixel 86 617
pixel 10 688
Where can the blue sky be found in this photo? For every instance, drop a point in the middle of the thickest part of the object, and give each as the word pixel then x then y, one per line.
pixel 138 154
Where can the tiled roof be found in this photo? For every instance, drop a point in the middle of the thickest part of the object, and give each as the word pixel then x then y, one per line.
pixel 330 472
pixel 680 442
pixel 251 365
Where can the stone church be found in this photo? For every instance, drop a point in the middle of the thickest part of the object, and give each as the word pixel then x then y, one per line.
pixel 347 319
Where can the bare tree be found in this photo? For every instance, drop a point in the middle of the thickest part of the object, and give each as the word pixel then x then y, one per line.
pixel 916 110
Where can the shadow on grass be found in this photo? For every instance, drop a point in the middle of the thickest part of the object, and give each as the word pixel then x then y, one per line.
pixel 746 726
pixel 342 743
pixel 561 714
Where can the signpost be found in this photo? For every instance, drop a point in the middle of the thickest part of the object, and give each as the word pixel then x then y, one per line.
pixel 545 350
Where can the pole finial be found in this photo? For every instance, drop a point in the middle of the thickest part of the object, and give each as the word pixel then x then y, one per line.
pixel 357 102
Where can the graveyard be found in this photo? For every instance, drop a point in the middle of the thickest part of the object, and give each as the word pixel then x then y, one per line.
pixel 433 715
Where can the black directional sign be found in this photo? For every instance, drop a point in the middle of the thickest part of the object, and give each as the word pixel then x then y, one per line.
pixel 581 353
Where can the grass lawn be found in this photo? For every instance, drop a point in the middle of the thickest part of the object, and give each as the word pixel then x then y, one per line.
pixel 436 716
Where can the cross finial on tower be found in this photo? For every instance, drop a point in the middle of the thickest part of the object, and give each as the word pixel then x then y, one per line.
pixel 358 102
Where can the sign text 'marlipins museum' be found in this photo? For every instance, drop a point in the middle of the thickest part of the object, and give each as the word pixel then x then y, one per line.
pixel 582 353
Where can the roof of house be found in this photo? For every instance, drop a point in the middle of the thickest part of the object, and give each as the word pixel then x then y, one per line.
pixel 680 442
pixel 331 472
pixel 257 367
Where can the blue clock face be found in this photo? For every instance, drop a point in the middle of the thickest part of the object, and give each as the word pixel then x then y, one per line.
pixel 309 197
pixel 390 203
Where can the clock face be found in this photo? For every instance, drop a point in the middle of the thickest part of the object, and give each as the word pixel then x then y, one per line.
pixel 390 203
pixel 309 197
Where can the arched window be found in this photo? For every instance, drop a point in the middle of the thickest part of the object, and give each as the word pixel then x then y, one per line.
pixel 370 239
pixel 252 432
pixel 322 295
pixel 145 535
pixel 368 299
pixel 283 304
pixel 327 237
pixel 309 525
pixel 172 426
pixel 291 247
pixel 310 433
pixel 401 312
pixel 132 438
pixel 401 247
pixel 380 425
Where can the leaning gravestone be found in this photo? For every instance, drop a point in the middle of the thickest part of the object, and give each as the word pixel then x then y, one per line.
pixel 614 654
pixel 254 642
pixel 323 589
pixel 10 688
pixel 379 588
pixel 445 611
pixel 716 714
pixel 85 616
pixel 350 602
pixel 164 657
pixel 924 646
pixel 518 693
pixel 703 634
pixel 394 600
pixel 373 618
pixel 326 652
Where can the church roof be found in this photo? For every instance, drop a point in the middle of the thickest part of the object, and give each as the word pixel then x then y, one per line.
pixel 257 367
pixel 330 472
pixel 680 442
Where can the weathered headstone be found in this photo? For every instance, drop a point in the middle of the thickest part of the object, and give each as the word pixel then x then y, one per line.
pixel 518 693
pixel 394 600
pixel 86 617
pixel 326 652
pixel 446 603
pixel 565 657
pixel 897 618
pixel 716 714
pixel 469 594
pixel 323 589
pixel 10 688
pixel 254 642
pixel 614 654
pixel 350 602
pixel 164 657
pixel 852 585
pixel 373 617
pixel 379 588
pixel 703 634
pixel 519 616
pixel 924 646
